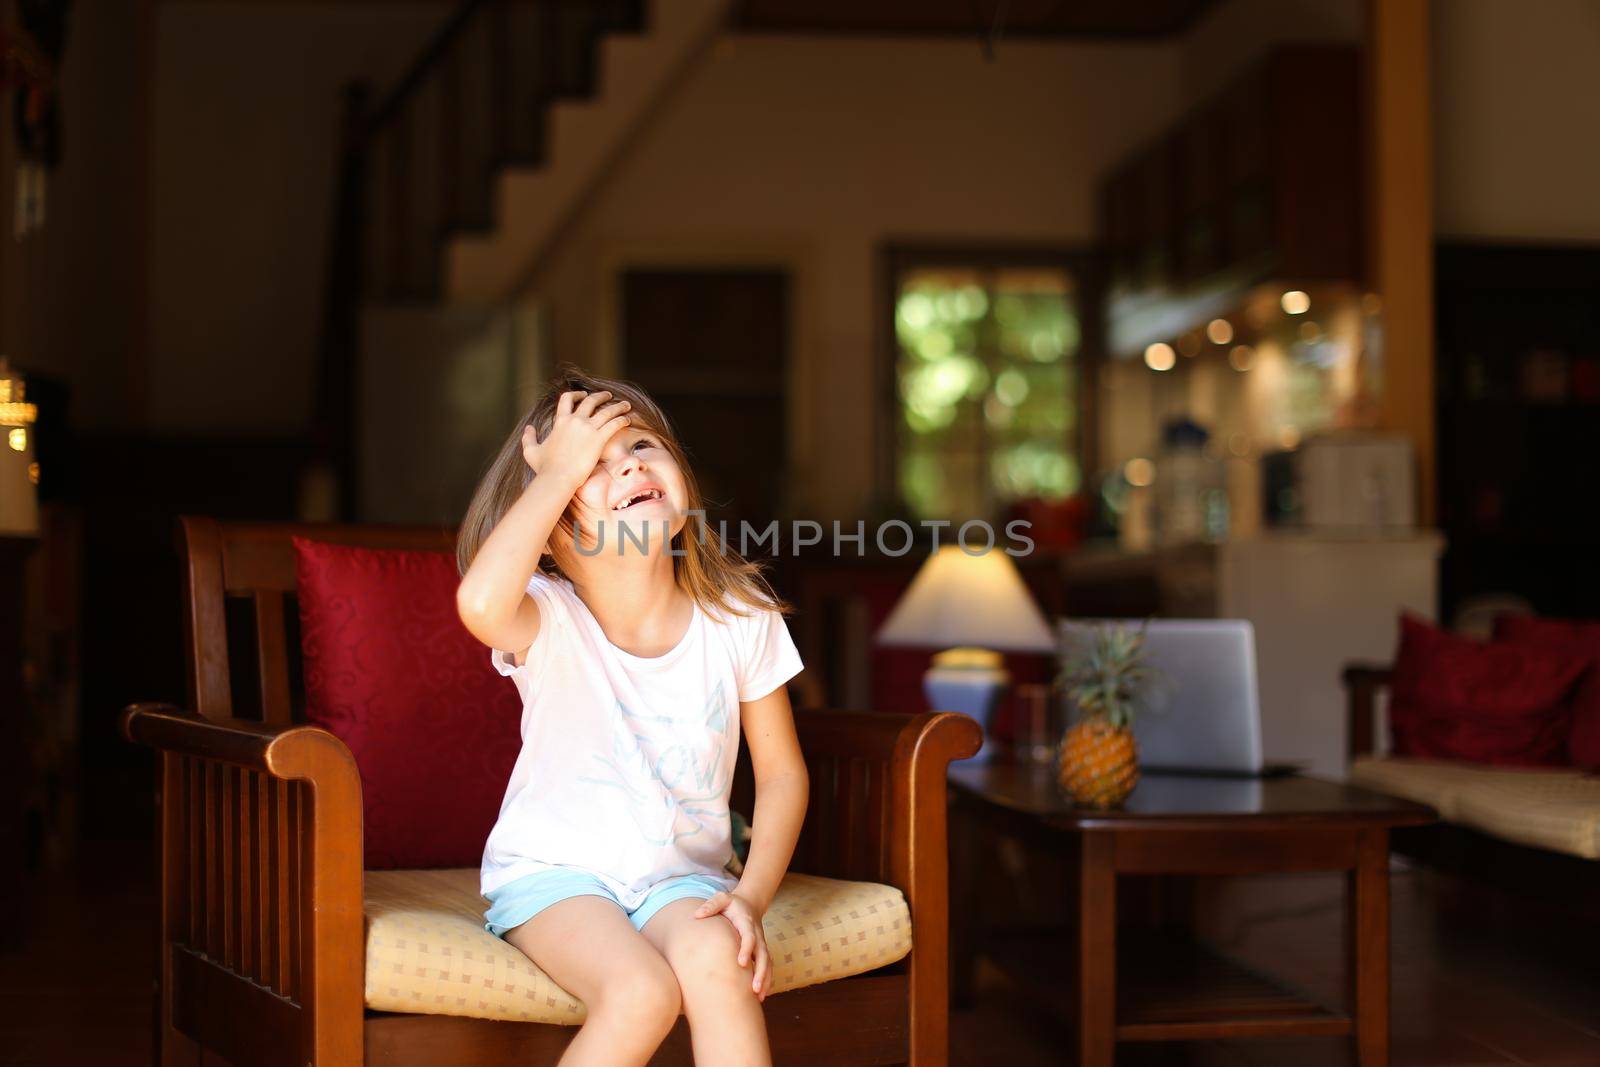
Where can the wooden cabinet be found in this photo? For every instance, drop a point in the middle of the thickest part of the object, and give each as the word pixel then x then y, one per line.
pixel 1261 182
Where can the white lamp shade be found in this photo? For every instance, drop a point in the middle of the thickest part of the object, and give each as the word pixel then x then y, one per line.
pixel 960 600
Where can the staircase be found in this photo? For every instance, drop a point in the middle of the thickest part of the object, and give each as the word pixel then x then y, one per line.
pixel 637 75
pixel 454 184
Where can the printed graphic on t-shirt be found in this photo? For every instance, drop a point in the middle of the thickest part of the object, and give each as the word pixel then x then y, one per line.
pixel 686 778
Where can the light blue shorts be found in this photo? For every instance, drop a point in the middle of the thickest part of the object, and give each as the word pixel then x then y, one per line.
pixel 519 900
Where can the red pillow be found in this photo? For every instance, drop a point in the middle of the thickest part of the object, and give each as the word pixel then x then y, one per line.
pixel 390 670
pixel 1583 743
pixel 1458 698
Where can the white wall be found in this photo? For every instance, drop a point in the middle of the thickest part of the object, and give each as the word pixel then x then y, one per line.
pixel 1516 98
pixel 243 146
pixel 812 151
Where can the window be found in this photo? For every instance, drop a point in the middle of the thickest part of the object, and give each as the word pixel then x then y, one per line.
pixel 985 381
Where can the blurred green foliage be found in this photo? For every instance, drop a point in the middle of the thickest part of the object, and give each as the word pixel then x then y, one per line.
pixel 987 381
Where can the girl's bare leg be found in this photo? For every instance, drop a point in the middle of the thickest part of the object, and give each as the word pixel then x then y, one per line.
pixel 726 1024
pixel 589 948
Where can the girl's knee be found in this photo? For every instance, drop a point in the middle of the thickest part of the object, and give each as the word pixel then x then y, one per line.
pixel 643 997
pixel 706 961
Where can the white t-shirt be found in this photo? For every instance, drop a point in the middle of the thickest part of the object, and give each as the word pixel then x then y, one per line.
pixel 627 761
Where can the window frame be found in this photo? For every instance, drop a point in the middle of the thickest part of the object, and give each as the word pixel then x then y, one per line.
pixel 896 258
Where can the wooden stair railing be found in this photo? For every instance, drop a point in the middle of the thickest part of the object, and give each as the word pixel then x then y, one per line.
pixel 419 164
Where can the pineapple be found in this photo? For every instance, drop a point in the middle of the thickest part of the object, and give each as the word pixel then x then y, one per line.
pixel 1098 760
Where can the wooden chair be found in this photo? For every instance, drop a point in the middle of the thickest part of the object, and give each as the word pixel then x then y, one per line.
pixel 261 933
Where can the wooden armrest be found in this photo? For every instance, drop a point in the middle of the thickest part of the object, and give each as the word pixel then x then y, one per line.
pixel 918 847
pixel 917 750
pixel 261 869
pixel 878 811
pixel 290 752
pixel 1362 682
pixel 913 754
pixel 837 734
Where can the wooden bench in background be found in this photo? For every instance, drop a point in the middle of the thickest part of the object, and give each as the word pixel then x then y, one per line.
pixel 1486 854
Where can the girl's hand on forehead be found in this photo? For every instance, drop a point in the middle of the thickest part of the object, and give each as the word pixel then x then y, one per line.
pixel 584 422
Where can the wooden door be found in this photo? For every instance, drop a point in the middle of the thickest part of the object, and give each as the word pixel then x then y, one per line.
pixel 711 345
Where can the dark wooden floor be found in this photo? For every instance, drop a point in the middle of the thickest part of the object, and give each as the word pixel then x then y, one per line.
pixel 1478 978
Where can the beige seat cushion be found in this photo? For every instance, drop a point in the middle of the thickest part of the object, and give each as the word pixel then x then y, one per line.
pixel 1554 808
pixel 427 950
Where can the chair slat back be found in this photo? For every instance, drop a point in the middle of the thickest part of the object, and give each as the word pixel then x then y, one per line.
pixel 850 762
pixel 272 657
pixel 254 562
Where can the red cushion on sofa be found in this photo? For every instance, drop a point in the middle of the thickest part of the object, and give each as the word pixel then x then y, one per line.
pixel 1458 698
pixel 1583 743
pixel 391 671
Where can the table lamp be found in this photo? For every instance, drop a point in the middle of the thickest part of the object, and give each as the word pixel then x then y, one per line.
pixel 973 607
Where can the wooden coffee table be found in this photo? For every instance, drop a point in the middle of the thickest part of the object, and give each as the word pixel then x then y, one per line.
pixel 1171 825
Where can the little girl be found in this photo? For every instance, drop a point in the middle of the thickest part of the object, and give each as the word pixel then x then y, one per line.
pixel 639 653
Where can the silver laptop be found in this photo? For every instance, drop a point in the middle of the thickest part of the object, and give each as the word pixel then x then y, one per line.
pixel 1199 711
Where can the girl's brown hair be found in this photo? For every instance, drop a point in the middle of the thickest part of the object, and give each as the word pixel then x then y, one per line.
pixel 715 575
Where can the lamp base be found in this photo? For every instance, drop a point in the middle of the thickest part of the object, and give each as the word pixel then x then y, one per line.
pixel 969 681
